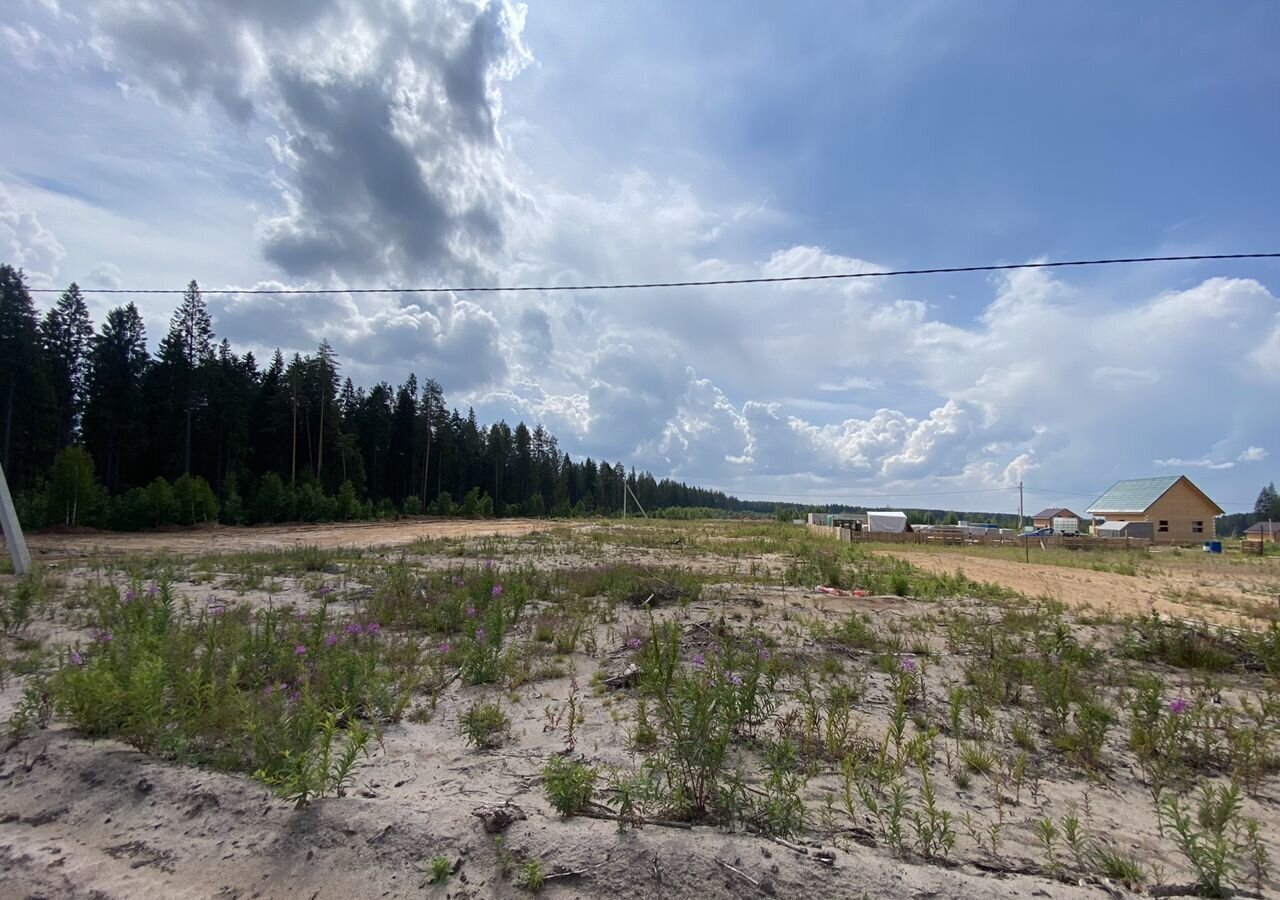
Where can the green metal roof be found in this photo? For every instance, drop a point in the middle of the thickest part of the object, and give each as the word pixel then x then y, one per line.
pixel 1134 495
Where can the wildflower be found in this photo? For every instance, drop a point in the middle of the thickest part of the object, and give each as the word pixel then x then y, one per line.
pixel 457 581
pixel 293 696
pixel 152 589
pixel 471 612
pixel 444 648
pixel 129 597
pixel 488 564
pixel 699 662
pixel 267 690
pixel 634 644
pixel 217 611
pixel 1179 706
pixel 372 629
pixel 734 678
pixel 325 590
pixel 909 665
pixel 103 636
pixel 330 640
pixel 481 634
pixel 497 591
pixel 76 659
pixel 300 650
pixel 354 628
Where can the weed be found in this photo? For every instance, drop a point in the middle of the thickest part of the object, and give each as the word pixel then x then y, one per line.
pixel 1217 840
pixel 438 870
pixel 569 785
pixel 485 725
pixel 531 876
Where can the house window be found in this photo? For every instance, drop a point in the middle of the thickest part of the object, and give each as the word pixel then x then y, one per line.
pixel 1197 527
pixel 1164 525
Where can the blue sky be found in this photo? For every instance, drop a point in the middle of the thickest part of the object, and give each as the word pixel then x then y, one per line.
pixel 335 143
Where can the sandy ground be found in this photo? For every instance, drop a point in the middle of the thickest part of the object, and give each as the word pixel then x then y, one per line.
pixel 46 546
pixel 1213 592
pixel 85 819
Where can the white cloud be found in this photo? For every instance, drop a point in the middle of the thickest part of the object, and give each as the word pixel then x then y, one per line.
pixel 1252 454
pixel 27 244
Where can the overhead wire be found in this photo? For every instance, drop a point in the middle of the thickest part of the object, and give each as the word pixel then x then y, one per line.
pixel 627 286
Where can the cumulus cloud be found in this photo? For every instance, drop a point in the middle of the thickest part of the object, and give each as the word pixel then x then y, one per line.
pixel 382 118
pixel 27 244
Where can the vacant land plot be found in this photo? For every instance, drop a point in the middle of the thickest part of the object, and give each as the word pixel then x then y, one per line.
pixel 1195 584
pixel 47 546
pixel 648 710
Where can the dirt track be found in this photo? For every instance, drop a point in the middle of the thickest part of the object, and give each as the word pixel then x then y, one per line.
pixel 1212 593
pixel 194 542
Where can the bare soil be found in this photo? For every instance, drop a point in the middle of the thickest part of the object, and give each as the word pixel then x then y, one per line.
pixel 47 546
pixel 1211 590
pixel 85 819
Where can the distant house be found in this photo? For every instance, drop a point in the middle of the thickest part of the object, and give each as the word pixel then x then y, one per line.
pixel 1263 532
pixel 1178 511
pixel 1067 521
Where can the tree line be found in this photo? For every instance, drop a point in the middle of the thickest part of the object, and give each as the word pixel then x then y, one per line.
pixel 98 431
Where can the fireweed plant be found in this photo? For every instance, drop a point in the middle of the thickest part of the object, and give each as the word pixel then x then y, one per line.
pixel 291 697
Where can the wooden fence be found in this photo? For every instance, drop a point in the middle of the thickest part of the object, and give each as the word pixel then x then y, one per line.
pixel 961 536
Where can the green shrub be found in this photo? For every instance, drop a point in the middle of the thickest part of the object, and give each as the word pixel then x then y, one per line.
pixel 194 501
pixel 158 504
pixel 485 725
pixel 570 785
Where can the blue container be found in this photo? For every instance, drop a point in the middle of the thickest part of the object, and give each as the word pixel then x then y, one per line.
pixel 1215 546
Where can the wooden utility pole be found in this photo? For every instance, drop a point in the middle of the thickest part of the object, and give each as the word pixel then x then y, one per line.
pixel 12 529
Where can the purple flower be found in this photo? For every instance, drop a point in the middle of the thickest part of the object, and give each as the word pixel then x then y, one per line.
pixel 372 629
pixel 497 591
pixel 299 650
pixel 471 612
pixel 634 644
pixel 152 589
pixel 293 696
pixel 488 564
pixel 325 590
pixel 330 640
pixel 444 648
pixel 129 597
pixel 103 636
pixel 76 659
pixel 909 665
pixel 699 662
pixel 1179 706
pixel 481 634
pixel 734 678
pixel 217 611
pixel 300 615
pixel 268 690
pixel 354 628
pixel 457 581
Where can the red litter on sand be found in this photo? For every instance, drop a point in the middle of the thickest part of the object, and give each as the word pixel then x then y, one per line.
pixel 839 592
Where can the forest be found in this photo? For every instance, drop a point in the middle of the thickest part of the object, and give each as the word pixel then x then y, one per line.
pixel 97 431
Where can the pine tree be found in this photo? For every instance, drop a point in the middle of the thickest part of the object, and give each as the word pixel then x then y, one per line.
pixel 65 337
pixel 183 352
pixel 113 419
pixel 1267 505
pixel 24 394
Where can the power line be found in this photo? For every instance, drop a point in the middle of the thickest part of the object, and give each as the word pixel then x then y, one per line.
pixel 1054 264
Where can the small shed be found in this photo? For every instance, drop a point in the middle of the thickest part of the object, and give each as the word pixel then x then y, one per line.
pixel 1263 533
pixel 1119 529
pixel 1058 518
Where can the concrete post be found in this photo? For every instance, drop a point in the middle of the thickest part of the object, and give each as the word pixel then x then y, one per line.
pixel 13 530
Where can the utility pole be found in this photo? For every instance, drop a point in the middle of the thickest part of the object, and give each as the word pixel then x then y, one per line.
pixel 12 529
pixel 1025 546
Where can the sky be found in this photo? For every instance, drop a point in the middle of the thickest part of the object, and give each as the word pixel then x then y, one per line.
pixel 344 144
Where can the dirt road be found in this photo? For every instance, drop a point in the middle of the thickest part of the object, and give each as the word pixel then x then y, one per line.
pixel 1217 594
pixel 197 541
